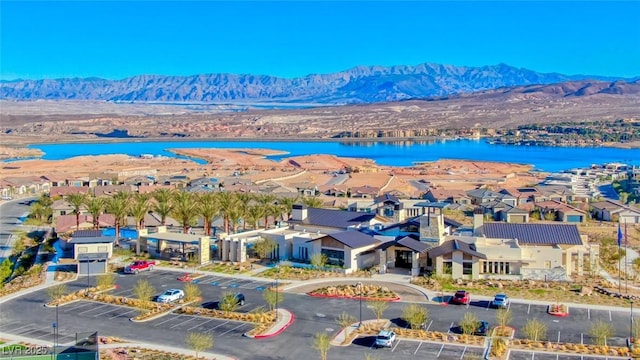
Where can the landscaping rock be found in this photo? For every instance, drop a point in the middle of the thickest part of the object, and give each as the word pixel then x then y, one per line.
pixel 586 291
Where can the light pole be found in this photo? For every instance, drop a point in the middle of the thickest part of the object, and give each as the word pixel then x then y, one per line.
pixel 276 297
pixel 88 274
pixel 359 285
pixel 631 328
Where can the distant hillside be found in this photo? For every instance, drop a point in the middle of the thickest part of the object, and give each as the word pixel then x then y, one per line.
pixel 362 84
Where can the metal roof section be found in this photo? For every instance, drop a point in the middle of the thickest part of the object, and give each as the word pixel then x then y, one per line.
pixel 336 218
pixel 352 239
pixel 87 233
pixel 534 234
pixel 456 245
pixel 92 240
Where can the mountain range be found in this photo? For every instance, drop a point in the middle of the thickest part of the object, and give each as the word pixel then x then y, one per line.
pixel 361 84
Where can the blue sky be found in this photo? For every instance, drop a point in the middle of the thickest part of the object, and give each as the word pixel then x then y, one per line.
pixel 114 40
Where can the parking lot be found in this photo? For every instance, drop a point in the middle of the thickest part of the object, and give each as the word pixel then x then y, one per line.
pixel 217 327
pixel 526 355
pixel 31 330
pixel 212 287
pixel 413 349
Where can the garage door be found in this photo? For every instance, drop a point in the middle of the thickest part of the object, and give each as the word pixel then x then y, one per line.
pixel 574 218
pixel 517 218
pixel 92 267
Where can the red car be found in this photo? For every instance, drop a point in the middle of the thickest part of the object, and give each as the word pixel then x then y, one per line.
pixel 139 265
pixel 461 297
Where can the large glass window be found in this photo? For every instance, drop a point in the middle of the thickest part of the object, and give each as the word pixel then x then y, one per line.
pixel 334 257
pixel 467 268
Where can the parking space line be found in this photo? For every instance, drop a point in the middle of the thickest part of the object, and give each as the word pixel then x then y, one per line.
pixel 558 336
pixel 228 331
pixel 96 308
pixel 102 313
pixel 418 348
pixel 184 322
pixel 20 327
pixel 248 285
pixel 533 354
pixel 528 309
pixel 169 319
pixel 395 346
pixel 81 305
pixel 226 282
pixel 202 324
pixel 463 351
pixel 610 316
pixel 215 327
pixel 441 347
pixel 427 329
pixel 122 315
pixel 581 338
pixel 450 326
pixel 488 305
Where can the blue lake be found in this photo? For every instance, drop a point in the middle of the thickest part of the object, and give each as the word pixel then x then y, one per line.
pixel 404 153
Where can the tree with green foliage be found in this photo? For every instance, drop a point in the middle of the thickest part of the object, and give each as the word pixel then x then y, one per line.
pixel 199 342
pixel 192 292
pixel 106 281
pixel 139 208
pixel 5 270
pixel 163 203
pixel 118 206
pixel 228 303
pixel 312 201
pixel 469 323
pixel 56 292
pixel 77 202
pixel 96 207
pixel 272 298
pixel 185 209
pixel 378 307
pixel 143 290
pixel 503 317
pixel 319 260
pixel 264 247
pixel 207 208
pixel 253 215
pixel 322 344
pixel 415 315
pixel 535 329
pixel 345 320
pixel 600 331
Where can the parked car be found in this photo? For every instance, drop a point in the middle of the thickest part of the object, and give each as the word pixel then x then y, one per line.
pixel 239 299
pixel 461 297
pixel 500 301
pixel 170 295
pixel 385 338
pixel 482 329
pixel 139 265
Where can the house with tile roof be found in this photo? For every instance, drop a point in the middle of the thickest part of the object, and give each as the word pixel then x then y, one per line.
pixel 610 210
pixel 560 211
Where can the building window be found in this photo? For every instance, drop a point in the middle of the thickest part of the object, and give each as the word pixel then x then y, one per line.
pixel 496 267
pixel 83 249
pixel 467 268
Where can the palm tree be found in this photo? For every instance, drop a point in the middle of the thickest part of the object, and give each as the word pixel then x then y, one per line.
pixel 227 202
pixel 287 204
pixel 96 207
pixel 77 201
pixel 253 214
pixel 244 199
pixel 118 206
pixel 208 209
pixel 234 215
pixel 138 209
pixel 267 202
pixel 164 203
pixel 185 209
pixel 312 201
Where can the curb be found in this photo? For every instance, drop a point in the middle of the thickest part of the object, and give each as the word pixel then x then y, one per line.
pixel 282 329
pixel 354 297
pixel 164 313
pixel 558 314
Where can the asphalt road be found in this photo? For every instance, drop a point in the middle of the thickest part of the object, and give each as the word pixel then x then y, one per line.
pixel 28 317
pixel 10 222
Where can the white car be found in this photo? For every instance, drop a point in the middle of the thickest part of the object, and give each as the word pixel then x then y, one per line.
pixel 385 338
pixel 170 295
